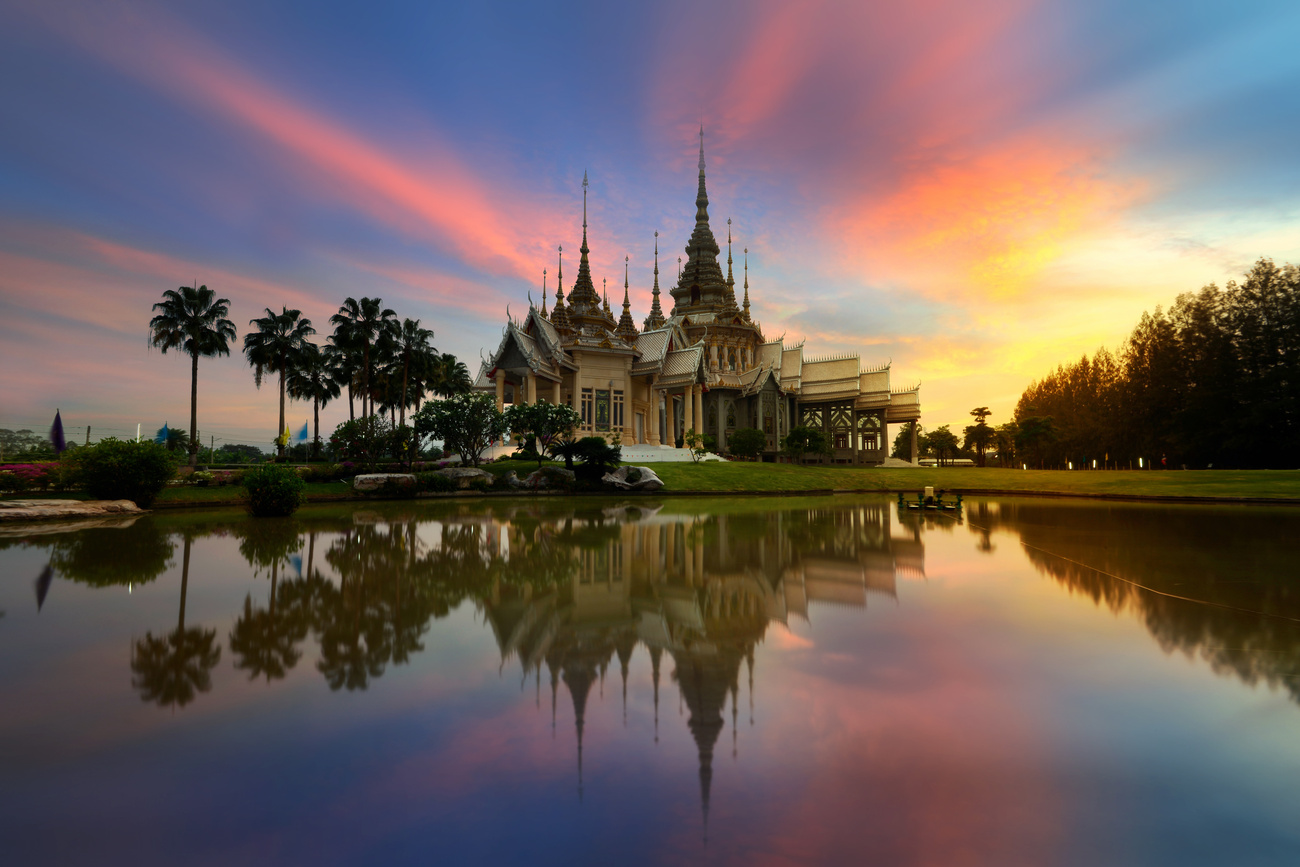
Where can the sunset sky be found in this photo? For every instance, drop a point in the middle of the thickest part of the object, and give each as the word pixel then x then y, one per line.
pixel 975 191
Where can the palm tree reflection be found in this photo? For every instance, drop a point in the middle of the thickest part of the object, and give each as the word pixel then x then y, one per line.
pixel 265 640
pixel 171 669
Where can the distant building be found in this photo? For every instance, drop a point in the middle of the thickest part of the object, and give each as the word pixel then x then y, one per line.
pixel 706 366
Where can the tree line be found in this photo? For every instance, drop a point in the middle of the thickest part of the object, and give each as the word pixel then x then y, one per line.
pixel 1212 382
pixel 387 364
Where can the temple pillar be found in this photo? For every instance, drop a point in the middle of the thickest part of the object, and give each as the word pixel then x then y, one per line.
pixel 558 398
pixel 670 419
pixel 697 393
pixel 501 389
pixel 914 454
pixel 652 419
pixel 688 410
pixel 530 387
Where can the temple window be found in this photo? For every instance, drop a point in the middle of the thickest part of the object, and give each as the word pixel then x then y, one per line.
pixel 602 409
pixel 618 409
pixel 869 432
pixel 731 359
pixel 811 416
pixel 586 407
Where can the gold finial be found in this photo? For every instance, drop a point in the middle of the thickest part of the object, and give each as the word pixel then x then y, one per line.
pixel 626 259
pixel 543 292
pixel 584 202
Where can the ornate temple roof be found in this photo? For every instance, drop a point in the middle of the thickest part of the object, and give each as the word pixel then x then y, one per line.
pixel 701 281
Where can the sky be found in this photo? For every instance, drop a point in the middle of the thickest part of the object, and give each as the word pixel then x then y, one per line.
pixel 973 192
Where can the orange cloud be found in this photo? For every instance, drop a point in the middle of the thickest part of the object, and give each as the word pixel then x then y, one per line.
pixel 989 223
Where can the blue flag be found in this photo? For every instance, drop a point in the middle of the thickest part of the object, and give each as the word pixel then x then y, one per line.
pixel 56 434
pixel 302 434
pixel 161 437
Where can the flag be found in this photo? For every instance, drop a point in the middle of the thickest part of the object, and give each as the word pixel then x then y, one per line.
pixel 302 434
pixel 161 437
pixel 56 434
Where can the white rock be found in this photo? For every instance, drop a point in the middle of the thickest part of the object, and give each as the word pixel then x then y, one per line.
pixel 372 481
pixel 648 481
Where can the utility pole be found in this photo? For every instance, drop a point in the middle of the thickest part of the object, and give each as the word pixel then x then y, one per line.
pixel 87 434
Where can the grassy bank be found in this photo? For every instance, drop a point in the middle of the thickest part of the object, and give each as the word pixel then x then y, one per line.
pixel 727 477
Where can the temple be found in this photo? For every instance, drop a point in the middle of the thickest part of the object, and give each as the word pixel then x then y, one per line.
pixel 706 366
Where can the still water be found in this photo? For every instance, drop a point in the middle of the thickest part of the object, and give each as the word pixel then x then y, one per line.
pixel 742 681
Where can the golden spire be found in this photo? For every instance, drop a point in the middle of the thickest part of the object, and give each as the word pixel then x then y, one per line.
pixel 604 283
pixel 746 284
pixel 656 317
pixel 544 316
pixel 626 327
pixel 731 281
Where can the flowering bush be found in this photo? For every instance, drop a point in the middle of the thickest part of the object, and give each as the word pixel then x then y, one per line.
pixel 26 477
pixel 202 478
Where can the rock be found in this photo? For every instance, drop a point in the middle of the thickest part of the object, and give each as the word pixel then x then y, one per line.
pixel 647 481
pixel 512 479
pixel 372 481
pixel 462 476
pixel 550 477
pixel 31 510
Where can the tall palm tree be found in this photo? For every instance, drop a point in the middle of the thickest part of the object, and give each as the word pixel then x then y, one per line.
pixel 452 377
pixel 193 321
pixel 412 350
pixel 347 358
pixel 363 323
pixel 275 345
pixel 316 378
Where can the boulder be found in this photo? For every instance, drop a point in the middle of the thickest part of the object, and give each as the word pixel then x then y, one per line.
pixel 646 480
pixel 372 481
pixel 549 477
pixel 462 476
pixel 28 510
pixel 512 479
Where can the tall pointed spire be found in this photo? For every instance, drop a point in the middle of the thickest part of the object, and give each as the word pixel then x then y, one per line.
pixel 656 317
pixel 544 316
pixel 560 316
pixel 731 281
pixel 626 327
pixel 701 281
pixel 584 303
pixel 746 314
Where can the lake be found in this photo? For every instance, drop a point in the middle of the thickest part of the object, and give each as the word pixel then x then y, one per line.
pixel 814 680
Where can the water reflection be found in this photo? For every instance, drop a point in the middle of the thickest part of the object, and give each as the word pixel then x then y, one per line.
pixel 170 669
pixel 1220 583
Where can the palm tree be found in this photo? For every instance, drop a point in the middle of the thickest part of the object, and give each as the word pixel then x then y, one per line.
pixel 363 324
pixel 347 358
pixel 194 321
pixel 452 377
pixel 275 345
pixel 316 378
pixel 413 350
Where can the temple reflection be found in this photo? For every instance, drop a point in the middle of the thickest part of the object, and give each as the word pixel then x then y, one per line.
pixel 699 589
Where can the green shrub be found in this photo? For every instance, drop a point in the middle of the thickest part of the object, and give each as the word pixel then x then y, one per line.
pixel 114 469
pixel 557 479
pixel 598 457
pixel 436 482
pixel 748 442
pixel 397 488
pixel 274 490
pixel 633 475
pixel 480 485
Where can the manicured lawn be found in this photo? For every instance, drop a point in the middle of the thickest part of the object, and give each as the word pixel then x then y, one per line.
pixel 731 476
pixel 734 477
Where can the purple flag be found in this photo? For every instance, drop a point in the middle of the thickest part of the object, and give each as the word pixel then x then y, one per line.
pixel 56 434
